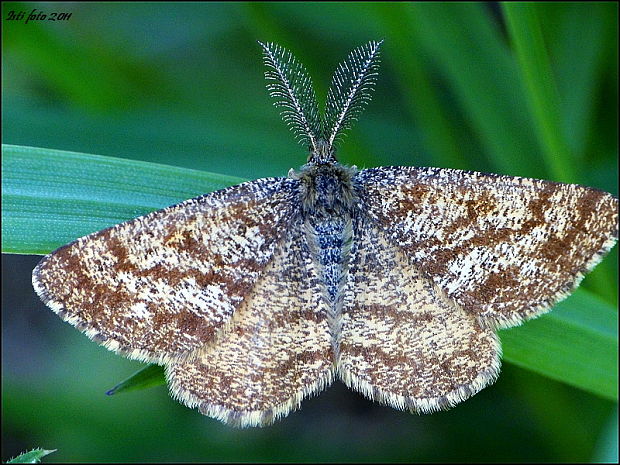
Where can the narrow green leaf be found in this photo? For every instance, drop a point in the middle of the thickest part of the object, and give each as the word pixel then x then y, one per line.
pixel 542 92
pixel 576 343
pixel 485 83
pixel 52 197
pixel 34 456
pixel 577 54
pixel 421 96
pixel 149 376
pixel 607 445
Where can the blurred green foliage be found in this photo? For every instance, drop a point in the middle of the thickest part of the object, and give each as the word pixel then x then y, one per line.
pixel 528 90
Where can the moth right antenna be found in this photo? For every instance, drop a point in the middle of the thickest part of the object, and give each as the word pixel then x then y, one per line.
pixel 350 89
pixel 291 86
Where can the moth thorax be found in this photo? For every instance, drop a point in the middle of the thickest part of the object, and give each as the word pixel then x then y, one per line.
pixel 327 189
pixel 323 154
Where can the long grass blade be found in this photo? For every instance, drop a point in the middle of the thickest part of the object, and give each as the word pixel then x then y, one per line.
pixel 542 93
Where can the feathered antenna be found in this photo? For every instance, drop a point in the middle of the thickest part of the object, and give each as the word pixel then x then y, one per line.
pixel 291 86
pixel 350 90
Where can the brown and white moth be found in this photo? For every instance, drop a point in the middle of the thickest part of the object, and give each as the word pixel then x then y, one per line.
pixel 392 279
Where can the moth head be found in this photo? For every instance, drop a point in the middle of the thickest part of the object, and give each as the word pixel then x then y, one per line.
pixel 351 88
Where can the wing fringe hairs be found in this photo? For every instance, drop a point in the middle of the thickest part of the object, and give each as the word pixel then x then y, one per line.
pixel 428 404
pixel 244 419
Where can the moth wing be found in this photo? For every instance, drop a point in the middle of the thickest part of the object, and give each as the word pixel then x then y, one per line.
pixel 276 351
pixel 504 248
pixel 159 286
pixel 402 341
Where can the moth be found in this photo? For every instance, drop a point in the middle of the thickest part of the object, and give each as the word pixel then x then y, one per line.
pixel 392 279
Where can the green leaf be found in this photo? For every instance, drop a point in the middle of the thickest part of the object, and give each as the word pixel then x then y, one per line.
pixel 149 376
pixel 487 90
pixel 34 456
pixel 576 343
pixel 423 100
pixel 52 197
pixel 542 92
pixel 577 51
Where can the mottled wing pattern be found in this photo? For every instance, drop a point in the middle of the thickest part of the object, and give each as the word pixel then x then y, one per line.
pixel 157 287
pixel 504 248
pixel 276 351
pixel 403 342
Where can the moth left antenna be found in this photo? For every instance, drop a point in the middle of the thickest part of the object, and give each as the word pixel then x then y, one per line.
pixel 291 87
